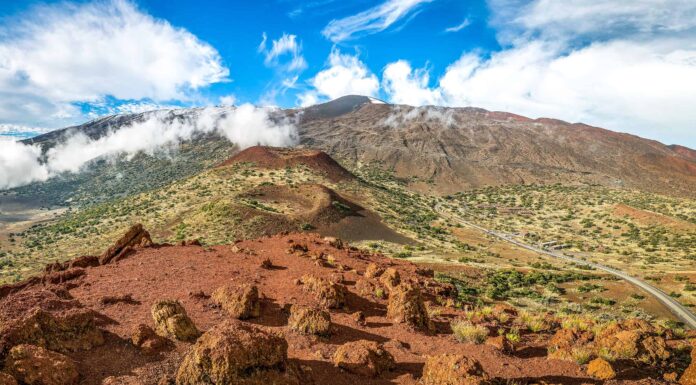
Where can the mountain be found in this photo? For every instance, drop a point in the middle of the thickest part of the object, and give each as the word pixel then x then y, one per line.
pixel 446 150
pixel 452 149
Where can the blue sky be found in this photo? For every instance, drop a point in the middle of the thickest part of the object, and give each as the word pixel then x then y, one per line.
pixel 626 66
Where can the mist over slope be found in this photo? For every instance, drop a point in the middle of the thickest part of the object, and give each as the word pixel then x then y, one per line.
pixel 435 148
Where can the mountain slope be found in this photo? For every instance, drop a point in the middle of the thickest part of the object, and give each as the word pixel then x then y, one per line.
pixel 436 149
pixel 452 149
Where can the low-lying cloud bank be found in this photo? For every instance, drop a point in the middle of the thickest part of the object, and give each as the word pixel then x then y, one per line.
pixel 245 126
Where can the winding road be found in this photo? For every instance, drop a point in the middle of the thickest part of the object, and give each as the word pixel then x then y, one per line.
pixel 680 311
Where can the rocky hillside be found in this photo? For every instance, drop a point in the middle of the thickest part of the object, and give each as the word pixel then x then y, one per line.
pixel 436 149
pixel 453 149
pixel 298 309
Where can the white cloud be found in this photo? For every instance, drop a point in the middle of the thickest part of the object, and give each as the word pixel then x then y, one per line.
pixel 373 20
pixel 459 26
pixel 56 55
pixel 19 164
pixel 286 45
pixel 245 126
pixel 408 86
pixel 345 75
pixel 638 73
pixel 228 100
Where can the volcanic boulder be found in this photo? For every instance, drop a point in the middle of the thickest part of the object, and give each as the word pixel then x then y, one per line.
pixel 136 236
pixel 309 320
pixel 453 369
pixel 366 358
pixel 233 352
pixel 43 318
pixel 600 369
pixel 172 321
pixel 34 365
pixel 240 302
pixel 406 306
pixel 328 294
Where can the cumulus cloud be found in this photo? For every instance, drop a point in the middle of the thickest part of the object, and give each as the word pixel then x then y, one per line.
pixel 408 86
pixel 245 126
pixel 345 75
pixel 637 73
pixel 56 55
pixel 373 20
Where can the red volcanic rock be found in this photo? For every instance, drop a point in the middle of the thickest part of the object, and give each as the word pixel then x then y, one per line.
pixel 136 236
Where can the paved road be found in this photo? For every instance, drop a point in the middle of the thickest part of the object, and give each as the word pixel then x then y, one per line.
pixel 679 310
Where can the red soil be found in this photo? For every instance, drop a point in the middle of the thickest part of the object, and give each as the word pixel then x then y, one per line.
pixel 275 158
pixel 191 273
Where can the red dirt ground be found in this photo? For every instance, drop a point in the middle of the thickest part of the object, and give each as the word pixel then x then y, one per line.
pixel 184 272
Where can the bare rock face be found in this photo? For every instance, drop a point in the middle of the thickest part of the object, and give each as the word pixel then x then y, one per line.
pixel 45 319
pixel 309 320
pixel 147 340
pixel 600 369
pixel 366 358
pixel 406 306
pixel 241 302
pixel 453 369
pixel 6 379
pixel 136 236
pixel 329 295
pixel 34 365
pixel 233 352
pixel 172 321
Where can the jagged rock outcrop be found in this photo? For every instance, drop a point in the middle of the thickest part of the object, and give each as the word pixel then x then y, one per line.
pixel 136 236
